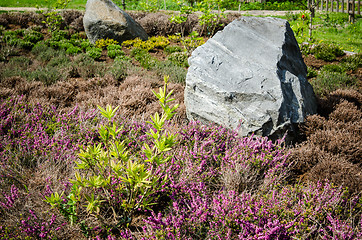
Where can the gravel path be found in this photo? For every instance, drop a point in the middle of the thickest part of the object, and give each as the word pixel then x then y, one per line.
pixel 251 12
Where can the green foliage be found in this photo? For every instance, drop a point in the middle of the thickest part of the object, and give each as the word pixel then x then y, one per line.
pixel 25 44
pixel 327 52
pixel 87 67
pixel 60 60
pixel 19 62
pixel 119 69
pixel 179 58
pixel 191 42
pixel 94 53
pixel 172 49
pixel 311 72
pixel 46 55
pixel 144 58
pixel 46 75
pixel 177 74
pixel 114 50
pixel 112 185
pixel 85 44
pixel 33 37
pixel 327 82
pixel 53 20
pixel 351 63
pixel 73 50
pixel 333 68
pixel 59 35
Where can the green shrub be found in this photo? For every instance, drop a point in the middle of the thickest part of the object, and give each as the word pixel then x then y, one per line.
pixel 85 44
pixel 39 48
pixel 311 72
pixel 179 58
pixel 76 42
pixel 94 53
pixel 177 74
pixel 114 47
pixel 107 172
pixel 172 49
pixel 333 68
pixel 114 53
pixel 122 58
pixel 33 37
pixel 59 35
pixel 26 44
pixel 119 70
pixel 327 82
pixel 19 62
pixel 47 75
pixel 60 60
pixel 6 51
pixel 47 54
pixel 327 52
pixel 52 43
pixel 73 50
pixel 144 58
pixel 65 44
pixel 351 63
pixel 79 36
pixel 87 67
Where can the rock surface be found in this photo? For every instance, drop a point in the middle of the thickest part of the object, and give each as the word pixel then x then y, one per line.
pixel 104 19
pixel 250 77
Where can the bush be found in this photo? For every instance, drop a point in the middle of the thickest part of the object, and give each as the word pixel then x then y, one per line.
pixel 119 70
pixel 327 82
pixel 85 44
pixel 19 62
pixel 94 53
pixel 104 43
pixel 172 49
pixel 113 53
pixel 327 52
pixel 144 58
pixel 33 37
pixel 59 35
pixel 177 74
pixel 333 68
pixel 60 60
pixel 179 58
pixel 25 44
pixel 47 54
pixel 73 50
pixel 39 48
pixel 46 75
pixel 87 67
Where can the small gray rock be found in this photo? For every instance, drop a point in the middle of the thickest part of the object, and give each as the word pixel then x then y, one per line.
pixel 103 19
pixel 250 77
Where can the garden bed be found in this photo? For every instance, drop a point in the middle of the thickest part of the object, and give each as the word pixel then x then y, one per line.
pixel 218 185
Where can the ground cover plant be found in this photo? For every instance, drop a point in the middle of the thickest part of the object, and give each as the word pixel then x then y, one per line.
pixel 71 170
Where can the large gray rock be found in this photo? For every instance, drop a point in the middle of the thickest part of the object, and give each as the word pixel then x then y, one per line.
pixel 104 19
pixel 250 77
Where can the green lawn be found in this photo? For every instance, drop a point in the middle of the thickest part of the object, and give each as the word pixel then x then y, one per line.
pixel 75 4
pixel 331 28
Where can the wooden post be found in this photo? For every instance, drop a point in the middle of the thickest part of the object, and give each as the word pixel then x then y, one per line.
pixel 322 4
pixel 359 7
pixel 327 5
pixel 342 6
pixel 337 5
pixel 332 5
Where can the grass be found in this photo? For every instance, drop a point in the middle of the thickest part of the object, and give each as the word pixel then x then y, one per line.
pixel 330 28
